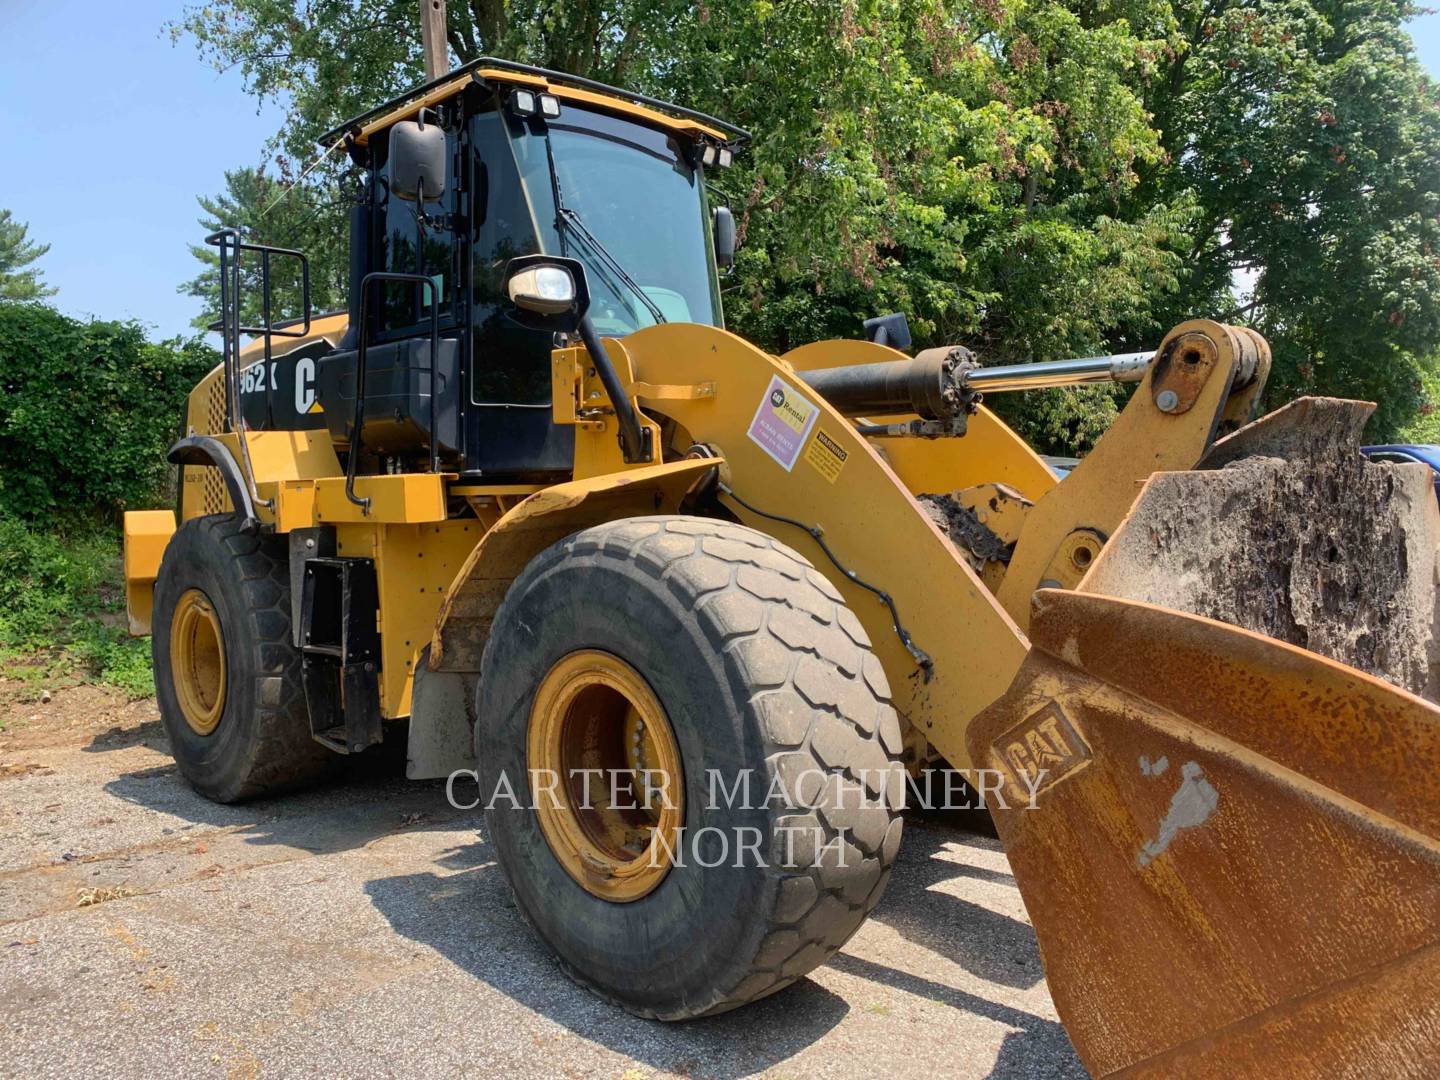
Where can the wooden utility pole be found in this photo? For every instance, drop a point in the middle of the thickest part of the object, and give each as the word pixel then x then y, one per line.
pixel 432 37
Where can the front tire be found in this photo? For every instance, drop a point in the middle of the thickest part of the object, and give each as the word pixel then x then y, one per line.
pixel 715 640
pixel 227 675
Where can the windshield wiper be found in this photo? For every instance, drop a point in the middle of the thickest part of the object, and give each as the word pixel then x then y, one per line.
pixel 567 220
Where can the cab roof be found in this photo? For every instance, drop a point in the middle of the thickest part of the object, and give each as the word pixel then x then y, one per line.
pixel 487 69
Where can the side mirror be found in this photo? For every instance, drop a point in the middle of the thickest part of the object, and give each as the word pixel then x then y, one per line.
pixel 892 330
pixel 548 292
pixel 417 160
pixel 724 237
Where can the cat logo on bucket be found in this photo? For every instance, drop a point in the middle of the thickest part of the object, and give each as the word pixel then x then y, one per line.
pixel 1041 750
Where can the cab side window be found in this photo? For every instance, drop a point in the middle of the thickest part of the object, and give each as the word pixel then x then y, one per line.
pixel 409 244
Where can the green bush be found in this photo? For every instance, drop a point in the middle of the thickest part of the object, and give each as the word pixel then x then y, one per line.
pixel 62 605
pixel 87 410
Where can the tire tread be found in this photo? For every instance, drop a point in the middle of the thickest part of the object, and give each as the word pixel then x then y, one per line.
pixel 788 639
pixel 283 756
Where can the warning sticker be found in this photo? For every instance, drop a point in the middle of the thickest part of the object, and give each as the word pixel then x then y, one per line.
pixel 782 422
pixel 826 455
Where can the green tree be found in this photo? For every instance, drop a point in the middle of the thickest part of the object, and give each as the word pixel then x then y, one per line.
pixel 1424 426
pixel 305 216
pixel 1311 139
pixel 966 164
pixel 329 60
pixel 18 280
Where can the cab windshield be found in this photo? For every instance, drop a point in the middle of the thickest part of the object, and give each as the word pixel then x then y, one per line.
pixel 631 188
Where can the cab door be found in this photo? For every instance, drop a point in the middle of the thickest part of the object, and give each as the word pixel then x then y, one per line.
pixel 511 432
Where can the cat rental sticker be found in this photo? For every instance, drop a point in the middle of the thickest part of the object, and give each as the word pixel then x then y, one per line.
pixel 782 422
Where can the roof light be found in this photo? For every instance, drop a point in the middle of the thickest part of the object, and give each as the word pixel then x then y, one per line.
pixel 725 157
pixel 550 105
pixel 708 155
pixel 523 102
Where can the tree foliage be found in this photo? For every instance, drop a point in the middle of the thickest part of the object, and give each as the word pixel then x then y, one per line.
pixel 1311 137
pixel 304 217
pixel 19 280
pixel 87 410
pixel 1032 178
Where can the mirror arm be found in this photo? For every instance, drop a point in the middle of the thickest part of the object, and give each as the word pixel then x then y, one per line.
pixel 632 440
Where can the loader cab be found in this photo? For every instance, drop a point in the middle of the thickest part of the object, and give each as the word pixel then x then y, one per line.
pixel 527 170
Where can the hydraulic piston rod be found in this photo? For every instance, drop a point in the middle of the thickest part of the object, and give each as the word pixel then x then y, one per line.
pixel 928 385
pixel 938 384
pixel 1121 368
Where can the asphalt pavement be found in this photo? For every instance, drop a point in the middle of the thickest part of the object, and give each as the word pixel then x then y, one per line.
pixel 365 930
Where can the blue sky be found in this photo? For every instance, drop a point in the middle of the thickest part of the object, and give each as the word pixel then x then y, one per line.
pixel 109 133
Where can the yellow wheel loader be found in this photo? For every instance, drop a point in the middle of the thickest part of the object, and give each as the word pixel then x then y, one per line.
pixel 688 611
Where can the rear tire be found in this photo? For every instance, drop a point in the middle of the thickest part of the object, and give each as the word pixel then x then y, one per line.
pixel 757 665
pixel 260 743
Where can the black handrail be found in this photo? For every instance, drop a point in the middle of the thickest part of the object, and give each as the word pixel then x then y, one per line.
pixel 218 240
pixel 634 439
pixel 356 436
pixel 229 246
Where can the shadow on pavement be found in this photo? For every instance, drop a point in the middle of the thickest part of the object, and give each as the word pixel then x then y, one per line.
pixel 369 799
pixel 465 912
pixel 986 943
pixel 1039 1048
pixel 471 920
pixel 151 733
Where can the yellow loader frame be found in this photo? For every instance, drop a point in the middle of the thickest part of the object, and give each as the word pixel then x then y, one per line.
pixel 446 551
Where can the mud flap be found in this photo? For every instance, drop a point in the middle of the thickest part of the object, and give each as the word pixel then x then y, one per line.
pixel 1231 856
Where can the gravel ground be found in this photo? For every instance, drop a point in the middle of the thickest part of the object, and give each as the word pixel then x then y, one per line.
pixel 365 930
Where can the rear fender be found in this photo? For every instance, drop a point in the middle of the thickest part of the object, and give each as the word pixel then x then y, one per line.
pixel 209 450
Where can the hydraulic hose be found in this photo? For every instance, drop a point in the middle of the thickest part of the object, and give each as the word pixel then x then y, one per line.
pixel 631 440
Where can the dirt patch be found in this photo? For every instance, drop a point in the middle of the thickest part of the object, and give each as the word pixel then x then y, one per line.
pixel 1297 536
pixel 965 529
pixel 102 715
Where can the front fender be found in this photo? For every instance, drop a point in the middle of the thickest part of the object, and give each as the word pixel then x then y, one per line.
pixel 463 624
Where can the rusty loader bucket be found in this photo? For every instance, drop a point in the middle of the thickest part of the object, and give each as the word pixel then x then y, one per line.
pixel 1229 845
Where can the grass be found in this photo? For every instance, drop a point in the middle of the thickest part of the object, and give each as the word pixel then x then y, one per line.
pixel 62 608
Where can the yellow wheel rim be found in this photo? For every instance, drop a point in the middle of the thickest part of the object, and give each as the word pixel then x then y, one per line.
pixel 615 837
pixel 197 661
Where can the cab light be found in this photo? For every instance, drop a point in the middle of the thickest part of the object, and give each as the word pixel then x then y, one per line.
pixel 550 105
